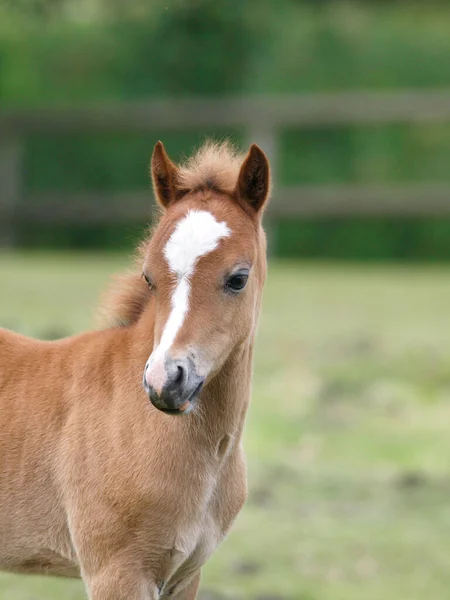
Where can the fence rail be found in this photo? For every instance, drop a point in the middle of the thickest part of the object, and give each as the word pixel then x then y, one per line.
pixel 261 117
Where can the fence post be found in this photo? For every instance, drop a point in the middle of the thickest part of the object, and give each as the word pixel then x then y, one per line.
pixel 265 135
pixel 10 186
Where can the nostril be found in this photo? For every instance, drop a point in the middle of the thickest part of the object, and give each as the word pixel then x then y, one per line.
pixel 180 375
pixel 176 381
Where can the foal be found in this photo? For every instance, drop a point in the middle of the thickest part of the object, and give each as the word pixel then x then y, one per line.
pixel 96 480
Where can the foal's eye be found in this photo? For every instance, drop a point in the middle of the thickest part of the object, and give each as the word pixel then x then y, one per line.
pixel 237 282
pixel 148 281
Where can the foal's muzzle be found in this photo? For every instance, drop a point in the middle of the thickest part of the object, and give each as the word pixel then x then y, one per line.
pixel 172 385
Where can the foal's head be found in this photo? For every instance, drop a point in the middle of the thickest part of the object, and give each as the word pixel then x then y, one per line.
pixel 205 266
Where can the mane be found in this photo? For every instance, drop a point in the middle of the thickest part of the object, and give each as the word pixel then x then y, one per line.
pixel 126 298
pixel 214 166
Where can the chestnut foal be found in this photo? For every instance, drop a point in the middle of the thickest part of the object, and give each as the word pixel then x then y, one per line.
pixel 95 480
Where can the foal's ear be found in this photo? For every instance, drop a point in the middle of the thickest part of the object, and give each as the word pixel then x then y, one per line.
pixel 164 176
pixel 254 180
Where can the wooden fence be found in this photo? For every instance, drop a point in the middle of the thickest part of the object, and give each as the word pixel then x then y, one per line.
pixel 261 117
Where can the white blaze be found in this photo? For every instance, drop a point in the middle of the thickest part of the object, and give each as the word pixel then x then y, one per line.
pixel 196 234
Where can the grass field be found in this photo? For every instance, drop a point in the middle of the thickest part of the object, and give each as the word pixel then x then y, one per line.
pixel 347 438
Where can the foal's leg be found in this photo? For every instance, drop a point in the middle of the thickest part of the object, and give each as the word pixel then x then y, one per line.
pixel 120 582
pixel 111 568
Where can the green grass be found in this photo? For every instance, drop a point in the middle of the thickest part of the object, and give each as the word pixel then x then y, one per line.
pixel 347 438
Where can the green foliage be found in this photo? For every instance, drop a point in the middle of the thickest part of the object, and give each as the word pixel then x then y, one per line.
pixel 193 48
pixel 56 52
pixel 366 239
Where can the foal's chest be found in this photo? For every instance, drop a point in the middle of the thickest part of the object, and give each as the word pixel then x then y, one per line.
pixel 196 542
pixel 198 535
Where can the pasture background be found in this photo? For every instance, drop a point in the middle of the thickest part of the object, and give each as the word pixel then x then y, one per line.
pixel 347 437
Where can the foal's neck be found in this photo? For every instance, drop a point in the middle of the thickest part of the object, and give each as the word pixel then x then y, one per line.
pixel 226 397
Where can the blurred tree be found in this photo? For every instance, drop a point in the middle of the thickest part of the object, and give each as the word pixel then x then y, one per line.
pixel 36 9
pixel 201 47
